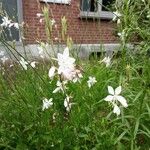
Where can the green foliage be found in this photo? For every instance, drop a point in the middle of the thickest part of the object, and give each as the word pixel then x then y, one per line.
pixel 89 125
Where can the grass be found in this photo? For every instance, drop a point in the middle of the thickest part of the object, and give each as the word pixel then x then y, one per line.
pixel 90 124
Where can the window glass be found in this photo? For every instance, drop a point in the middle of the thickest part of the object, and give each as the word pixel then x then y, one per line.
pixel 106 4
pixel 88 5
pixel 10 8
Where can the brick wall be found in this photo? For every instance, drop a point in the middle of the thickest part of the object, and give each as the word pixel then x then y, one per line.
pixel 80 30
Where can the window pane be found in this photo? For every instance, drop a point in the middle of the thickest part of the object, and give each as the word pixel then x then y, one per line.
pixel 10 8
pixel 106 4
pixel 88 5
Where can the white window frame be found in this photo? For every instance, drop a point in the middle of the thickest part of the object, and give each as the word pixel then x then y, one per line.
pixel 20 17
pixel 57 1
pixel 99 14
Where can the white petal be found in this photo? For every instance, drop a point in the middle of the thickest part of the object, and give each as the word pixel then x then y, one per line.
pixel 118 90
pixel 56 90
pixel 89 84
pixel 51 72
pixel 111 90
pixel 116 110
pixel 59 56
pixel 66 52
pixel 122 100
pixel 109 98
pixel 33 64
pixel 65 103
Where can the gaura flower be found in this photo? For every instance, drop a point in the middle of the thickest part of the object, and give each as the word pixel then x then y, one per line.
pixel 23 63
pixel 107 61
pixel 64 61
pixel 53 21
pixel 116 15
pixel 68 104
pixel 91 81
pixel 47 103
pixel 122 35
pixel 33 64
pixel 114 97
pixel 39 15
pixel 6 22
pixel 61 86
pixel 66 65
pixel 16 25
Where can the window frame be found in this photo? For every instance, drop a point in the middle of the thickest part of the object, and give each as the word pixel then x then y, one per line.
pixel 100 14
pixel 20 17
pixel 57 1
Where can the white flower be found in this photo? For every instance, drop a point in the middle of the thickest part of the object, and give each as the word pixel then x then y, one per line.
pixel 4 59
pixel 68 104
pixel 122 35
pixel 115 97
pixel 23 63
pixel 107 61
pixel 6 22
pixel 39 15
pixel 33 64
pixel 56 38
pixel 16 25
pixel 60 86
pixel 41 20
pixel 91 81
pixel 47 103
pixel 66 64
pixel 116 15
pixel 51 72
pixel 53 21
pixel 64 61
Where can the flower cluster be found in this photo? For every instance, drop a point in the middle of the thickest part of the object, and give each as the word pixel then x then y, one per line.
pixel 66 67
pixel 66 71
pixel 25 64
pixel 8 23
pixel 114 97
pixel 41 17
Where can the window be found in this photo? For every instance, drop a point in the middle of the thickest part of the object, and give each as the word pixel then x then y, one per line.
pixel 57 1
pixel 95 9
pixel 13 9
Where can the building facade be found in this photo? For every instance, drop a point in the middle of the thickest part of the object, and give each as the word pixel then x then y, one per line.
pixel 84 26
pixel 89 22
